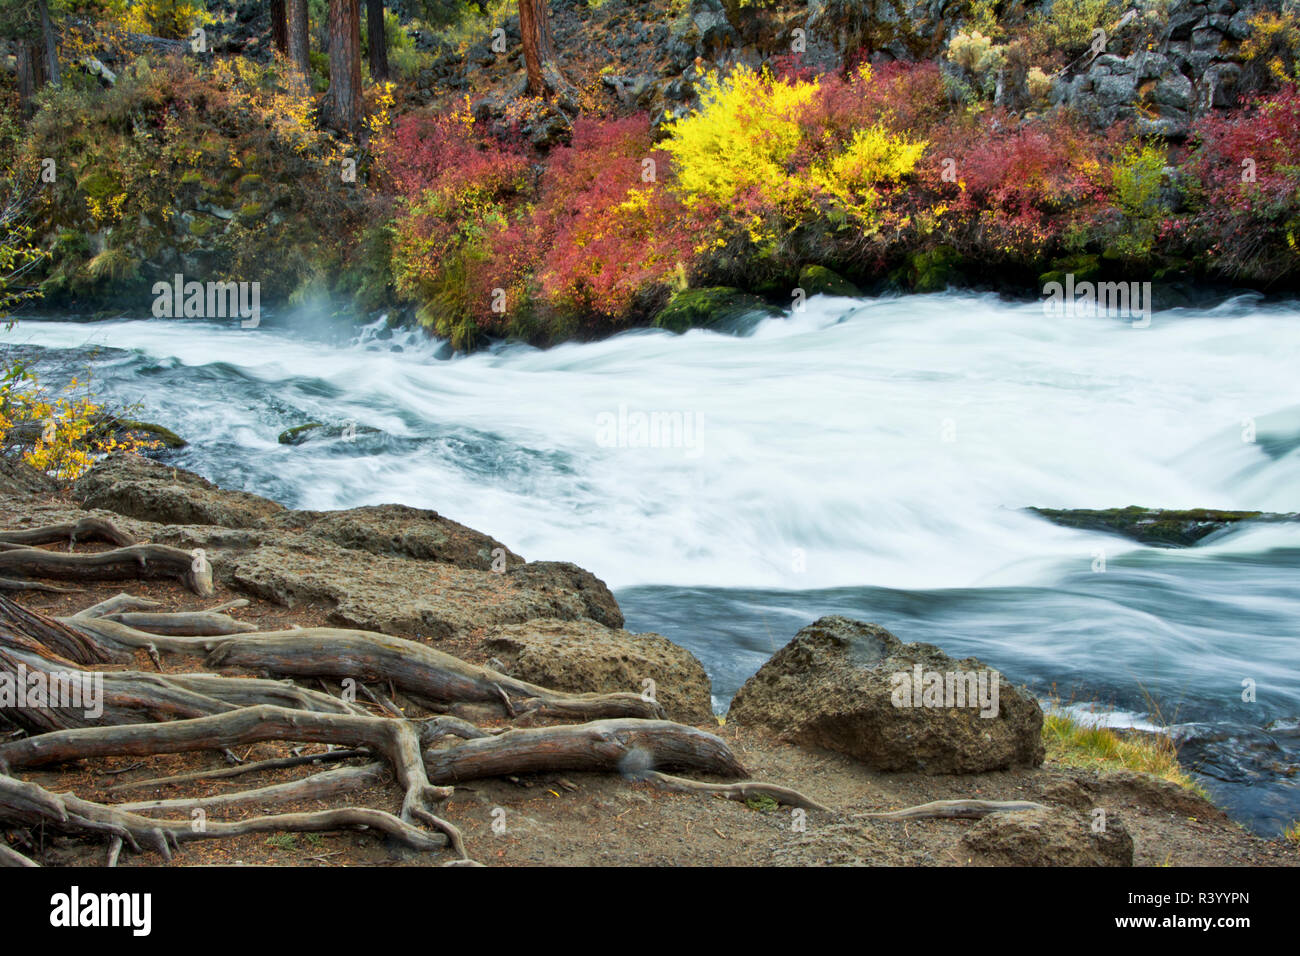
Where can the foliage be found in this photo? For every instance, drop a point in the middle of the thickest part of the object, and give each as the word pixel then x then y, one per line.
pixel 145 166
pixel 1069 25
pixel 1244 185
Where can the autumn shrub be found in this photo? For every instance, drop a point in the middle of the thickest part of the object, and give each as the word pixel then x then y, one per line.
pixel 175 160
pixel 769 158
pixel 454 185
pixel 1243 178
pixel 1017 189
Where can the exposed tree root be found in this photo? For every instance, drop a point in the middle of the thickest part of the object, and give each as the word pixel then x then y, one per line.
pixel 11 857
pixel 258 766
pixel 134 561
pixel 627 746
pixel 955 808
pixel 181 623
pixel 330 783
pixel 87 529
pixel 744 791
pixel 422 673
pixel 145 714
pixel 35 806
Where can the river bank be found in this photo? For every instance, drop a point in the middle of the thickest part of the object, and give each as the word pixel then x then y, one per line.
pixel 362 568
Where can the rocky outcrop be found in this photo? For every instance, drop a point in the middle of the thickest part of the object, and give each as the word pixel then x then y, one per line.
pixel 390 568
pixel 855 688
pixel 1049 837
pixel 582 657
pixel 402 532
pixel 142 488
pixel 19 478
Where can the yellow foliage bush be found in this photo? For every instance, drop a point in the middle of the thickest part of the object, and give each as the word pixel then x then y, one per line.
pixel 764 151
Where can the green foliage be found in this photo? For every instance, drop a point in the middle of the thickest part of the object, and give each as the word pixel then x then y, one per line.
pixel 1069 25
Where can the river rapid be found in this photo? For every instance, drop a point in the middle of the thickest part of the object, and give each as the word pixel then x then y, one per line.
pixel 867 457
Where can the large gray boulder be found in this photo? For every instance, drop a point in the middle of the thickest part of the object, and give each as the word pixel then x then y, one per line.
pixel 847 686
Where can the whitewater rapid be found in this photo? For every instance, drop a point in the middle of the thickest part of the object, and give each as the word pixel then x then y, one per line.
pixel 870 457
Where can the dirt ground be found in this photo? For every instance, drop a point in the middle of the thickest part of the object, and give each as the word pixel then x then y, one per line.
pixel 594 819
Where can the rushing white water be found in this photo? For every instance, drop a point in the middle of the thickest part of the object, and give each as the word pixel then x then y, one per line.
pixel 864 456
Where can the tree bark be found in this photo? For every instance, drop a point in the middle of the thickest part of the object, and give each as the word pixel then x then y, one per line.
pixel 30 69
pixel 378 40
pixel 532 14
pixel 50 43
pixel 299 41
pixel 345 64
pixel 279 27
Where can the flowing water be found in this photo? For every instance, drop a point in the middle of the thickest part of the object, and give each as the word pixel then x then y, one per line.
pixel 863 457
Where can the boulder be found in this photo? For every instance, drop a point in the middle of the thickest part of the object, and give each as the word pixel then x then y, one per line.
pixel 1055 836
pixel 19 478
pixel 846 685
pixel 585 657
pixel 142 488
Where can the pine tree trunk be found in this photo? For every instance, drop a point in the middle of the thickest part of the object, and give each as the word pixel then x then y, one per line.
pixel 378 40
pixel 51 44
pixel 345 64
pixel 279 27
pixel 299 39
pixel 532 13
pixel 31 73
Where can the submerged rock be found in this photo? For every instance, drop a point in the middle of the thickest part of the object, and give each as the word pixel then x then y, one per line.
pixel 1155 525
pixel 855 688
pixel 584 657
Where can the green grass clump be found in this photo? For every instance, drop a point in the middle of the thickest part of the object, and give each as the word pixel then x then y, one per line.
pixel 1072 743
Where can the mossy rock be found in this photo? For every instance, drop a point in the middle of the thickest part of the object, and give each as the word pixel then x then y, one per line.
pixel 298 434
pixel 251 212
pixel 147 431
pixel 317 430
pixel 249 183
pixel 1154 525
pixel 934 269
pixel 701 308
pixel 1083 268
pixel 819 280
pixel 201 227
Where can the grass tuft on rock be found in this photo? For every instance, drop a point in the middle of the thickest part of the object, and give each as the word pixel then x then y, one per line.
pixel 1073 743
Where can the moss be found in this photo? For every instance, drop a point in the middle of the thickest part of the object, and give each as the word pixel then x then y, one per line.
pixel 298 434
pixel 1155 526
pixel 819 280
pixel 100 186
pixel 250 182
pixel 251 211
pixel 699 308
pixel 934 269
pixel 1084 269
pixel 201 227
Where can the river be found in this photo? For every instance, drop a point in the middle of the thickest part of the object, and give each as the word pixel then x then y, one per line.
pixel 862 457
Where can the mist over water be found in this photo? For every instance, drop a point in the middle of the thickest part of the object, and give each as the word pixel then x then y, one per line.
pixel 862 457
